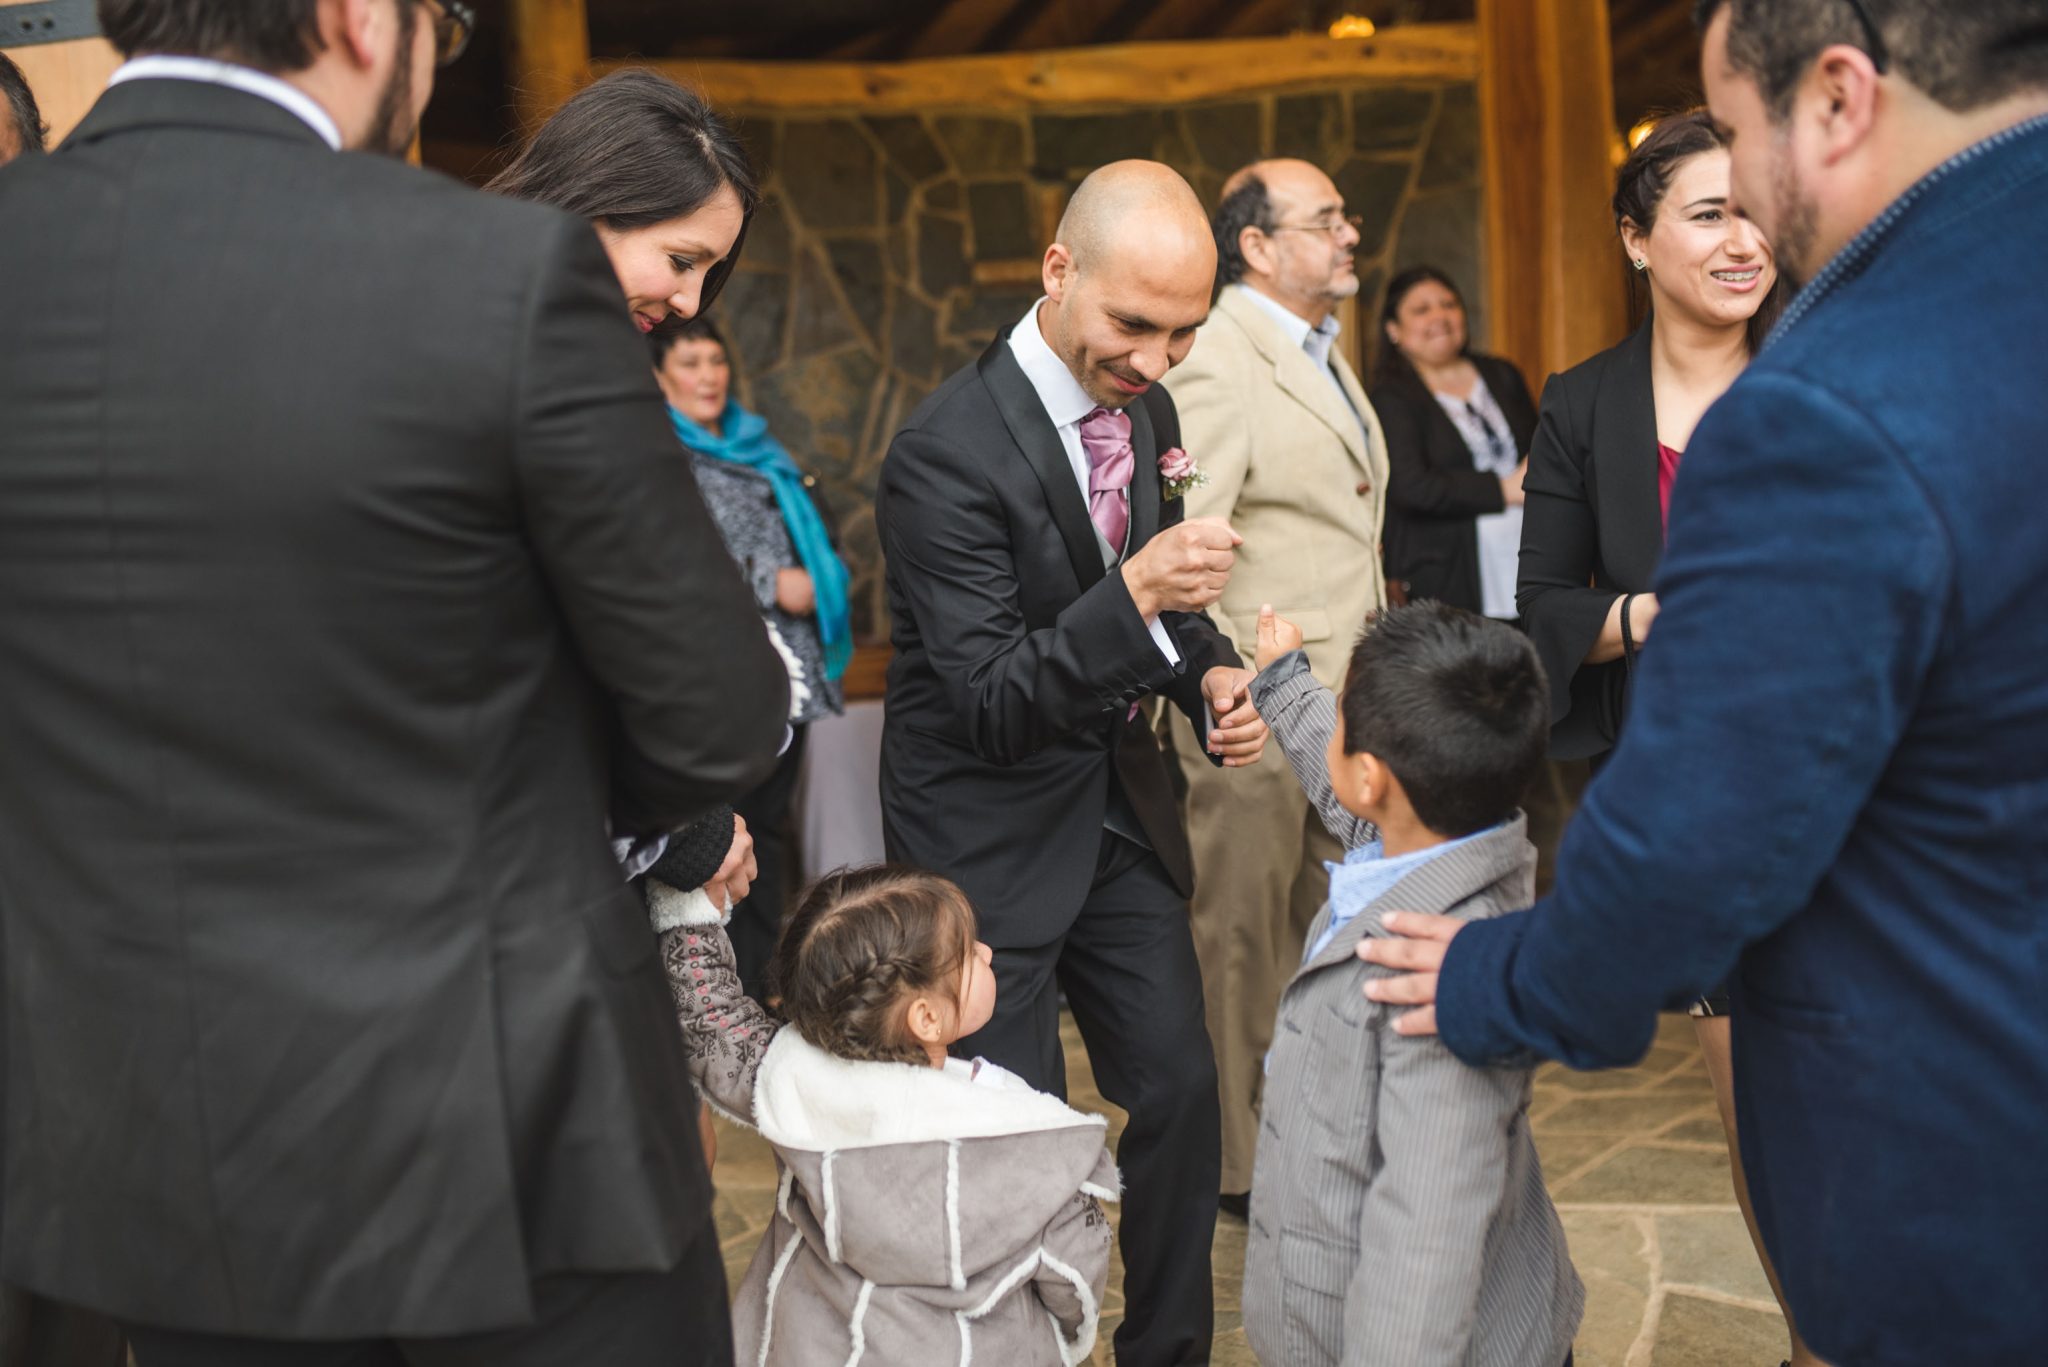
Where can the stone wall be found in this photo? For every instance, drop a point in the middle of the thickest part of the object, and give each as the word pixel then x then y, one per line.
pixel 891 249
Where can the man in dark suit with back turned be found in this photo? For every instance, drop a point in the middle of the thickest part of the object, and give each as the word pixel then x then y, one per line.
pixel 356 592
pixel 1041 584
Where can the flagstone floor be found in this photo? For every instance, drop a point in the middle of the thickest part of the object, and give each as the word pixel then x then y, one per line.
pixel 1636 1162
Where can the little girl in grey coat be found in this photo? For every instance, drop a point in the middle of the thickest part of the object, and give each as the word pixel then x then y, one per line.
pixel 931 1210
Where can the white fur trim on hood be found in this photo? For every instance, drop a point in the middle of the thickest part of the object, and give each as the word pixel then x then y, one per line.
pixel 807 1099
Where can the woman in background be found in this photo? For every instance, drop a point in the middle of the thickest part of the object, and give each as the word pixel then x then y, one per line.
pixel 1458 425
pixel 1609 444
pixel 764 508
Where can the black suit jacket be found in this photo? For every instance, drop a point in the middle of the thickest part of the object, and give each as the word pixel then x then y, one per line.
pixel 353 578
pixel 1018 656
pixel 1434 491
pixel 1592 530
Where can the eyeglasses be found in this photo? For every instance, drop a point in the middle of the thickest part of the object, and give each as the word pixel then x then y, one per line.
pixel 454 25
pixel 1355 222
pixel 1880 57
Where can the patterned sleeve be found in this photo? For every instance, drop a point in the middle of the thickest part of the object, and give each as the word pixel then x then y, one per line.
pixel 1302 715
pixel 725 1032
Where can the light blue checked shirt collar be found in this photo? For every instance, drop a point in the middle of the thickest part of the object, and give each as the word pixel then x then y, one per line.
pixel 1366 875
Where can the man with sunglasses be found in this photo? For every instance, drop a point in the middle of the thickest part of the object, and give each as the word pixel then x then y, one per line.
pixel 353 597
pixel 1274 415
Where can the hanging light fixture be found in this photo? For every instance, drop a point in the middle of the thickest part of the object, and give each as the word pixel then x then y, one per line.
pixel 1353 26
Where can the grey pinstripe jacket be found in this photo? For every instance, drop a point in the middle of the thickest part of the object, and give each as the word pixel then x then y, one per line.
pixel 1399 1217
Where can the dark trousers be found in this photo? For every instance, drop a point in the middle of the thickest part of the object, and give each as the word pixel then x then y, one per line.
pixel 676 1318
pixel 35 1332
pixel 757 920
pixel 1128 969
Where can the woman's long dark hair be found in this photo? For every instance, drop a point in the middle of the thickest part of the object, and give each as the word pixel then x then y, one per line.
pixel 1645 178
pixel 633 150
pixel 1393 365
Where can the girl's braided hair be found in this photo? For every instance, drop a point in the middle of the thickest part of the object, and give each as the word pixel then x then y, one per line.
pixel 859 945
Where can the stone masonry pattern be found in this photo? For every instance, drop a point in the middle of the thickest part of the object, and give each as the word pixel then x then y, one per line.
pixel 891 249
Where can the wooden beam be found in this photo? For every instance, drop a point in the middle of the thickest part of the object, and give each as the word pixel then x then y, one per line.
pixel 1546 101
pixel 65 77
pixel 1261 17
pixel 1072 23
pixel 957 26
pixel 1181 19
pixel 547 57
pixel 1122 75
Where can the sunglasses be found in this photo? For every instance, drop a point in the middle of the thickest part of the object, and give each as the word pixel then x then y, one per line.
pixel 454 25
pixel 1879 56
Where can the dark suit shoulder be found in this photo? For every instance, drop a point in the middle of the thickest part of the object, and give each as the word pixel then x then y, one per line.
pixel 1404 390
pixel 1579 384
pixel 962 401
pixel 1502 376
pixel 431 203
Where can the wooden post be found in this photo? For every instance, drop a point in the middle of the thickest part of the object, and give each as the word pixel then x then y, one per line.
pixel 66 77
pixel 1546 95
pixel 549 57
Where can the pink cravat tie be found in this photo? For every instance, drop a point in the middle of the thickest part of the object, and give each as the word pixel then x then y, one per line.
pixel 1106 438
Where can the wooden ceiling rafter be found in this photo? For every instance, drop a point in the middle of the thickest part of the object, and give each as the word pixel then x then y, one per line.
pixel 958 26
pixel 1180 19
pixel 1263 17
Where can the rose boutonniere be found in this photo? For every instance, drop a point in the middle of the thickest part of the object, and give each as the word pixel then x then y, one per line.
pixel 1179 473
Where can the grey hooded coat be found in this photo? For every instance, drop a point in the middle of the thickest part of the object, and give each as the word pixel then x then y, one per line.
pixel 924 1215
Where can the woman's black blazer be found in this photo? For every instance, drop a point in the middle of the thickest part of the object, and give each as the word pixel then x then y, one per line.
pixel 1591 531
pixel 1434 492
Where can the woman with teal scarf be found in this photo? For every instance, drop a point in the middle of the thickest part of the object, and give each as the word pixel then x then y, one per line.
pixel 762 503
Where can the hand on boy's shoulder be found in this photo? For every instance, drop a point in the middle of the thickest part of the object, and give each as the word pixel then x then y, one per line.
pixel 1416 950
pixel 1277 636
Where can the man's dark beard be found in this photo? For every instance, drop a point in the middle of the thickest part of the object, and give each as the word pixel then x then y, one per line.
pixel 1797 226
pixel 393 129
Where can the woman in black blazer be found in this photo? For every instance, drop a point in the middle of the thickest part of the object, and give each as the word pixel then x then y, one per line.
pixel 1609 442
pixel 1457 426
pixel 1613 429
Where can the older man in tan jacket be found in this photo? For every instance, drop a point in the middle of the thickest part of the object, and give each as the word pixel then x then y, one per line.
pixel 1293 457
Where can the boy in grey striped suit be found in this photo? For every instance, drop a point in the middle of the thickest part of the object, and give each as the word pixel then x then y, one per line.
pixel 1398 1214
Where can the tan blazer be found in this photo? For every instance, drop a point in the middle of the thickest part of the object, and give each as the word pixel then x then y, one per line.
pixel 1286 462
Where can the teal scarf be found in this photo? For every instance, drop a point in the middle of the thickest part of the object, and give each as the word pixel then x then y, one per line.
pixel 746 442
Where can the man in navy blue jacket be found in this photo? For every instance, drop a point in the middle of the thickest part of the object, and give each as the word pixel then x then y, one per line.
pixel 1836 764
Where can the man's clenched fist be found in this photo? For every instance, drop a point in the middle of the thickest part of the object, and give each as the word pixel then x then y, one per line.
pixel 1184 568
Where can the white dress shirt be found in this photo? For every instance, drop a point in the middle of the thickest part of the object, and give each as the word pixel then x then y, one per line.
pixel 243 78
pixel 1316 341
pixel 1485 429
pixel 1066 403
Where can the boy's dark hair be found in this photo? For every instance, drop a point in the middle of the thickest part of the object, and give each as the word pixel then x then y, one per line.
pixel 19 108
pixel 1645 178
pixel 1962 54
pixel 270 35
pixel 1455 705
pixel 858 946
pixel 632 150
pixel 663 339
pixel 1248 206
